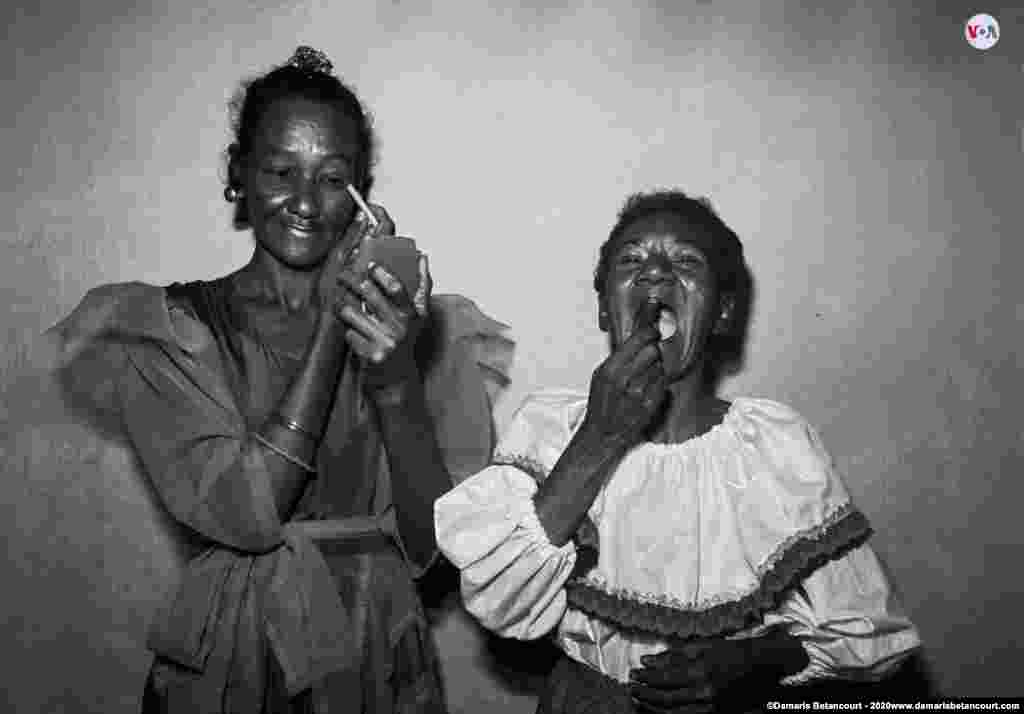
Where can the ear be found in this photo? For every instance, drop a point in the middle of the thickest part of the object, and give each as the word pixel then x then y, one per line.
pixel 364 177
pixel 235 168
pixel 603 322
pixel 726 315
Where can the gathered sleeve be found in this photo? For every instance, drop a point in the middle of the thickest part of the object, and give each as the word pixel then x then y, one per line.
pixel 848 620
pixel 156 367
pixel 844 613
pixel 513 578
pixel 465 359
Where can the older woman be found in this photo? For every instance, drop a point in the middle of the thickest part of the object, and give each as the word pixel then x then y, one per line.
pixel 681 548
pixel 292 418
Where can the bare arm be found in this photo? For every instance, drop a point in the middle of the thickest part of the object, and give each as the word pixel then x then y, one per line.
pixel 306 405
pixel 416 461
pixel 385 336
pixel 625 392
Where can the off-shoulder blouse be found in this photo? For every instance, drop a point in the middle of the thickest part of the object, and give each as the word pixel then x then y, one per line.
pixel 743 528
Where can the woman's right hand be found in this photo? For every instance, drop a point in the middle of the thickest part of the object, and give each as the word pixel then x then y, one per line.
pixel 627 389
pixel 334 296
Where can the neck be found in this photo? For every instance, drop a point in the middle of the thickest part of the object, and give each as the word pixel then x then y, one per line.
pixel 269 280
pixel 690 410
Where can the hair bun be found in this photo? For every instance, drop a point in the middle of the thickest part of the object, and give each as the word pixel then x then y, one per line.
pixel 311 61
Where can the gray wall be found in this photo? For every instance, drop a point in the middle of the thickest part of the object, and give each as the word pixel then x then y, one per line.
pixel 869 158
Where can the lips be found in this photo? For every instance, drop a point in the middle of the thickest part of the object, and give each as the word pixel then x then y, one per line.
pixel 300 227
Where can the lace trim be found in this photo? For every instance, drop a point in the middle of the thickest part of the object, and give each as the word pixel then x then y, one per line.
pixel 530 466
pixel 663 615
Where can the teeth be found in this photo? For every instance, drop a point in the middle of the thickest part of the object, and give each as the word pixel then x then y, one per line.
pixel 667 324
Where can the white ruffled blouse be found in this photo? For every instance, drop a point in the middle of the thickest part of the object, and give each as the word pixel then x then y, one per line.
pixel 741 529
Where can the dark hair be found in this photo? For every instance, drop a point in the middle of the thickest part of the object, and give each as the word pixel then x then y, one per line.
pixel 308 75
pixel 725 256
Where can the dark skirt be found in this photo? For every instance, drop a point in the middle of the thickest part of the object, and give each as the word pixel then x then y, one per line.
pixel 574 688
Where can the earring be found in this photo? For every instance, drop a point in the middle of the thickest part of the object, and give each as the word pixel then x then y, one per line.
pixel 232 194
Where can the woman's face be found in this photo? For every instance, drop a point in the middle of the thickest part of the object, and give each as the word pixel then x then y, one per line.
pixel 658 257
pixel 303 155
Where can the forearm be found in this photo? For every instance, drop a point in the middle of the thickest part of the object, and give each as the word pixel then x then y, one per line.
pixel 419 475
pixel 296 426
pixel 564 497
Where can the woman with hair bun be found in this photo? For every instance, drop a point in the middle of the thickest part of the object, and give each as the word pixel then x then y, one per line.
pixel 296 416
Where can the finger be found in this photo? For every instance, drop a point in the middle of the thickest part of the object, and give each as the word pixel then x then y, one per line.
pixel 660 659
pixel 637 375
pixel 391 287
pixel 673 677
pixel 642 707
pixel 366 349
pixel 421 299
pixel 656 391
pixel 647 364
pixel 679 655
pixel 371 330
pixel 671 697
pixel 367 291
pixel 356 233
pixel 385 225
pixel 634 344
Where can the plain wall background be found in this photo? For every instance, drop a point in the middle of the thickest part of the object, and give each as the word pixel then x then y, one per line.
pixel 868 156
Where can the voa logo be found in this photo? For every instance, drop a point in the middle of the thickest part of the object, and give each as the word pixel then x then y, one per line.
pixel 982 31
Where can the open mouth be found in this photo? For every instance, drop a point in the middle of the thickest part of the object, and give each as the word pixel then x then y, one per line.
pixel 657 314
pixel 668 324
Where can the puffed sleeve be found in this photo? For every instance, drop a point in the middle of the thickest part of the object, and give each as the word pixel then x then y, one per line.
pixel 845 613
pixel 847 618
pixel 155 367
pixel 512 576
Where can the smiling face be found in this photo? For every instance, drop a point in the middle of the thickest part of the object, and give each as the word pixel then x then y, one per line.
pixel 303 154
pixel 659 258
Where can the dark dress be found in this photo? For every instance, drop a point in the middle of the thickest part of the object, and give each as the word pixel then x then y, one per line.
pixel 318 614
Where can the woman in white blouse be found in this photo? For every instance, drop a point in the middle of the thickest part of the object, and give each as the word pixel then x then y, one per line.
pixel 682 549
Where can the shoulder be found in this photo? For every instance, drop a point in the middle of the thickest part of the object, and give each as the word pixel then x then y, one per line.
pixel 782 449
pixel 552 410
pixel 541 428
pixel 133 311
pixel 760 413
pixel 766 421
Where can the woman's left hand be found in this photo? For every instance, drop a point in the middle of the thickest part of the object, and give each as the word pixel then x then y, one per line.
pixel 385 335
pixel 691 677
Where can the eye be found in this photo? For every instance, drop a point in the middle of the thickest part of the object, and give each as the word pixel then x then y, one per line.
pixel 335 180
pixel 280 172
pixel 628 259
pixel 688 261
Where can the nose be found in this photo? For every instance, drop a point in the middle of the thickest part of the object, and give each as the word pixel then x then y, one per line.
pixel 655 269
pixel 304 201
